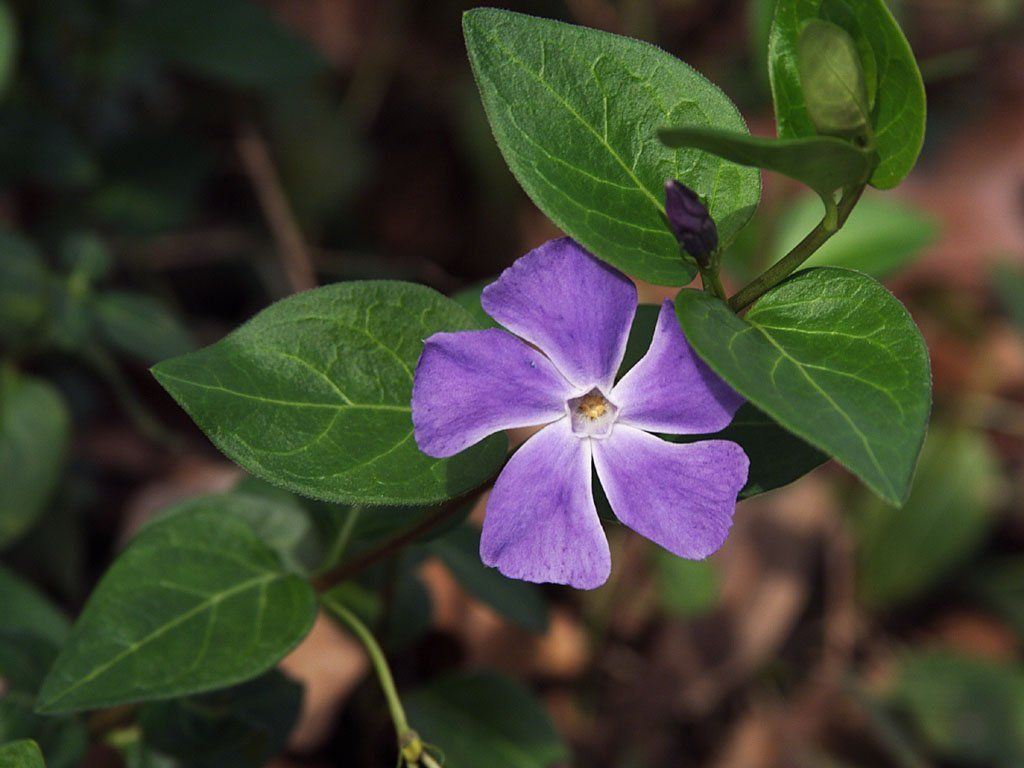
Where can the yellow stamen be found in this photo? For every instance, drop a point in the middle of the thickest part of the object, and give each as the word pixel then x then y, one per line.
pixel 593 406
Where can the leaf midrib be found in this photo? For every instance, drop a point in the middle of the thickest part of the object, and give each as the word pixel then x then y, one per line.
pixel 289 403
pixel 582 121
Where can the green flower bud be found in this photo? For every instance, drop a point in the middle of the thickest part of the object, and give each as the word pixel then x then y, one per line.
pixel 832 79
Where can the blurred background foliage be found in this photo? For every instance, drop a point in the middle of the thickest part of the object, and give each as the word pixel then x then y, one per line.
pixel 168 167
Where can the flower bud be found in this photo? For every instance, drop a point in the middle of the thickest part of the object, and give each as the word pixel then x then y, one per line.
pixel 690 221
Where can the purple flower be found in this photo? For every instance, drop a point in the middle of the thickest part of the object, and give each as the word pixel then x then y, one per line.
pixel 572 314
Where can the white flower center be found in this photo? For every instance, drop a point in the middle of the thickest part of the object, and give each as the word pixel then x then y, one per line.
pixel 592 414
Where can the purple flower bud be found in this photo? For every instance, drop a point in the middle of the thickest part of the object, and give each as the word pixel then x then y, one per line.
pixel 690 221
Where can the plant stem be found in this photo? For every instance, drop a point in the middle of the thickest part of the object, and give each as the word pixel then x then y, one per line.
pixel 409 743
pixel 712 283
pixel 346 570
pixel 785 266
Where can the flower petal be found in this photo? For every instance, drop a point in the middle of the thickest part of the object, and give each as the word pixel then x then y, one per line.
pixel 471 384
pixel 541 522
pixel 679 496
pixel 671 390
pixel 575 308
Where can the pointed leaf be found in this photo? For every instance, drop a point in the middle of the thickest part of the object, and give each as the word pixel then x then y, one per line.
pixel 313 395
pixel 835 359
pixel 21 754
pixel 196 602
pixel 575 112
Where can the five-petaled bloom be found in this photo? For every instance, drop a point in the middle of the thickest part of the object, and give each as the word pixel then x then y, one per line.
pixel 575 311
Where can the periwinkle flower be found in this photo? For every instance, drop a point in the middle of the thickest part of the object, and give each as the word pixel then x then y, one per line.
pixel 572 314
pixel 690 221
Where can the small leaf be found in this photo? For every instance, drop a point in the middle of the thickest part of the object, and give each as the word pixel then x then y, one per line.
pixel 969 710
pixel 313 395
pixel 141 326
pixel 832 357
pixel 832 79
pixel 85 254
pixel 521 603
pixel 575 111
pixel 34 433
pixel 891 74
pixel 469 299
pixel 241 727
pixel 236 42
pixel 879 238
pixel 905 552
pixel 823 163
pixel 686 588
pixel 28 610
pixel 483 719
pixel 195 603
pixel 21 754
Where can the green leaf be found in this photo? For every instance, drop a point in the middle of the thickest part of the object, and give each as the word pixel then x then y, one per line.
pixel 242 727
pixel 87 255
pixel 21 754
pixel 879 238
pixel 519 602
pixel 891 76
pixel 141 326
pixel 686 587
pixel 1008 285
pixel 34 433
pixel 236 42
pixel 823 163
pixel 832 357
pixel 575 112
pixel 26 609
pixel 484 719
pixel 777 457
pixel 832 79
pixel 313 395
pixel 25 284
pixel 967 709
pixel 196 602
pixel 903 553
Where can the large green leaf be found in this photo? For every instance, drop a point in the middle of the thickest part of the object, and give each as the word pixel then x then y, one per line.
pixel 27 610
pixel 968 710
pixel 517 601
pixel 575 113
pixel 34 433
pixel 893 80
pixel 313 394
pixel 484 719
pixel 141 326
pixel 21 754
pixel 879 238
pixel 196 602
pixel 823 163
pixel 904 552
pixel 835 359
